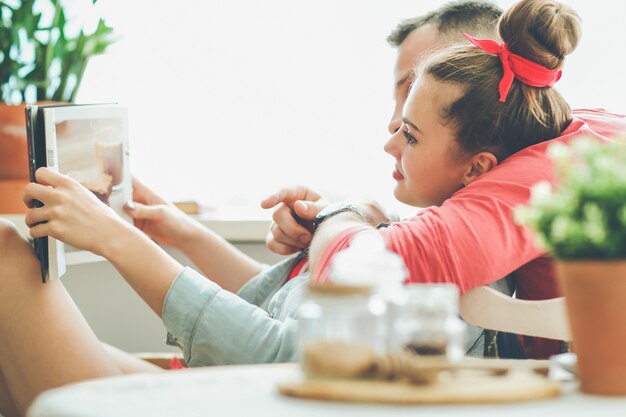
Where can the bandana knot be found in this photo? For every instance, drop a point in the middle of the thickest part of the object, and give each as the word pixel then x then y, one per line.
pixel 515 66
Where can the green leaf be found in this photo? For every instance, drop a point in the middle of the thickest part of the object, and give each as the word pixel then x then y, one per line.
pixel 584 217
pixel 21 29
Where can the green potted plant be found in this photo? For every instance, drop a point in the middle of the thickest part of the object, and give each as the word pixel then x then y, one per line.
pixel 582 221
pixel 43 56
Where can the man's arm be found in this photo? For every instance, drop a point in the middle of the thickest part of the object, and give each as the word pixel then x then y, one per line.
pixel 471 240
pixel 371 214
pixel 328 230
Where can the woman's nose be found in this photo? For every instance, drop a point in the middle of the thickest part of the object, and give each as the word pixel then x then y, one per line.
pixel 390 146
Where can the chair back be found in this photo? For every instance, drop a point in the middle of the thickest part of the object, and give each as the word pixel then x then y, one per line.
pixel 490 309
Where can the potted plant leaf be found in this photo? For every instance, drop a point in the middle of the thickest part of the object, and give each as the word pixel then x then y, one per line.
pixel 43 57
pixel 582 221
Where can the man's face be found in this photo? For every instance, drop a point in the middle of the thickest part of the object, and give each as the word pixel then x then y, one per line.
pixel 419 41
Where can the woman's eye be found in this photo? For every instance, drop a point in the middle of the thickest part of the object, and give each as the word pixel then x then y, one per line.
pixel 410 139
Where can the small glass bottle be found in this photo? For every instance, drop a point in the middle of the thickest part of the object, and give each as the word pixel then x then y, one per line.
pixel 351 311
pixel 350 315
pixel 429 323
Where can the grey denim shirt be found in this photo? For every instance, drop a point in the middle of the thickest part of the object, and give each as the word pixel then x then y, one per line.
pixel 213 326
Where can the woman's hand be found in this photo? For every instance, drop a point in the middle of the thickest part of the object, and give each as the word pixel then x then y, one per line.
pixel 158 218
pixel 71 213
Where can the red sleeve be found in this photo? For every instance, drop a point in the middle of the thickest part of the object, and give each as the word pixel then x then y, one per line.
pixel 601 123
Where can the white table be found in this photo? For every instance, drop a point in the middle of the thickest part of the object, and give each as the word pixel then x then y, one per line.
pixel 251 391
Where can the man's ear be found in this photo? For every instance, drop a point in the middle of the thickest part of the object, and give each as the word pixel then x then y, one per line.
pixel 480 164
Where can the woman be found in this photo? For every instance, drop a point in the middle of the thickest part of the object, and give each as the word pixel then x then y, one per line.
pixel 472 157
pixel 452 152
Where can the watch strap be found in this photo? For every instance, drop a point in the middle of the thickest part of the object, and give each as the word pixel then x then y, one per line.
pixel 334 210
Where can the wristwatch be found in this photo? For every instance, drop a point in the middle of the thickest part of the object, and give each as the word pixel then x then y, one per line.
pixel 334 209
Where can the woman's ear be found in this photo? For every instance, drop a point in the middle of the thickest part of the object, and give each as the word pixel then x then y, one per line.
pixel 480 164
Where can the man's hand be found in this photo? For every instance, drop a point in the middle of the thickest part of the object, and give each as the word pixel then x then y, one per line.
pixel 296 208
pixel 158 218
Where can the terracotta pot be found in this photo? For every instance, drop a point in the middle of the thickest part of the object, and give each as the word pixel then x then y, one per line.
pixel 11 192
pixel 13 148
pixel 13 158
pixel 595 294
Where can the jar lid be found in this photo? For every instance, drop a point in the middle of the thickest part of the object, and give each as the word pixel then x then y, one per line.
pixel 339 289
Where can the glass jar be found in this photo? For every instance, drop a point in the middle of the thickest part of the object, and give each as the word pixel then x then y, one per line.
pixel 351 317
pixel 429 322
pixel 346 315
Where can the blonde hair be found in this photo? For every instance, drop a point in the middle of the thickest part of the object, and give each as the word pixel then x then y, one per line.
pixel 542 31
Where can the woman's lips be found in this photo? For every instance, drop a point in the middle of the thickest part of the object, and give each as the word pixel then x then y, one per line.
pixel 397 175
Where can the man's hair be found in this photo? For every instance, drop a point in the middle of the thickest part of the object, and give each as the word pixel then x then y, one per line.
pixel 477 18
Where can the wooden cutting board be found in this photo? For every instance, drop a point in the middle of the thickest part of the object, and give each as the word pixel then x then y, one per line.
pixel 463 387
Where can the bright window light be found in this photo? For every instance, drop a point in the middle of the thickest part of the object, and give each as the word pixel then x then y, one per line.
pixel 231 100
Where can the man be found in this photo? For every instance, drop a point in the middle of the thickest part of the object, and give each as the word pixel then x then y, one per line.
pixel 297 207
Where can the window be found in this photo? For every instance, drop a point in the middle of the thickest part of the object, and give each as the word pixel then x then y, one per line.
pixel 230 100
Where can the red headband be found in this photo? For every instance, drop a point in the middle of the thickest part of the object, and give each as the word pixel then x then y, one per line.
pixel 515 66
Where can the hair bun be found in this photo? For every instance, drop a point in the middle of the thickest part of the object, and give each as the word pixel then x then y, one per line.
pixel 543 31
